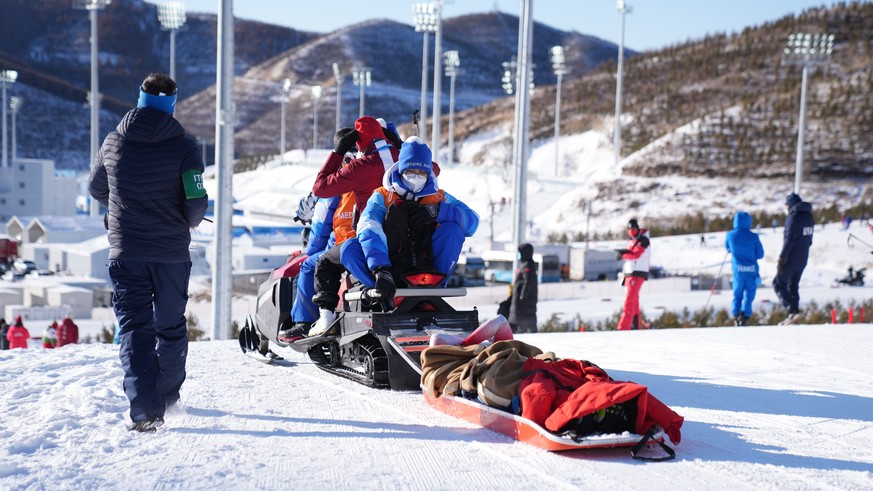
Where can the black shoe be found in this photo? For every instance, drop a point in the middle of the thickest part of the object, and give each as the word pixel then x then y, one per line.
pixel 149 425
pixel 297 331
pixel 740 320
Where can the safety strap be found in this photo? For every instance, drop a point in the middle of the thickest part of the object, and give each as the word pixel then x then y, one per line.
pixel 671 454
pixel 383 147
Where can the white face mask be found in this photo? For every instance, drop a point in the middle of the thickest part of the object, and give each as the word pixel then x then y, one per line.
pixel 414 182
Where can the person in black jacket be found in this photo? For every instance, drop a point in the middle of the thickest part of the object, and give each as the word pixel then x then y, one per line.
pixel 523 308
pixel 795 252
pixel 4 329
pixel 148 173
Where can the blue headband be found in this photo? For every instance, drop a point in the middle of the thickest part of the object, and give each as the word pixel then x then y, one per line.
pixel 166 103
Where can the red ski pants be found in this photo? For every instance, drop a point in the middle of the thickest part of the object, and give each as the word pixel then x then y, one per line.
pixel 631 311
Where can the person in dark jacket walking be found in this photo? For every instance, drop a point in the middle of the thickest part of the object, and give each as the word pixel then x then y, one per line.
pixel 797 239
pixel 149 174
pixel 523 308
pixel 745 248
pixel 4 329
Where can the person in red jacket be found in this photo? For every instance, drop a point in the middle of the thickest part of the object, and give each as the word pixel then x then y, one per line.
pixel 50 336
pixel 18 334
pixel 68 332
pixel 636 272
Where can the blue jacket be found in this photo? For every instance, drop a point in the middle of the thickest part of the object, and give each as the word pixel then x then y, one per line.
pixel 797 237
pixel 138 176
pixel 744 245
pixel 320 237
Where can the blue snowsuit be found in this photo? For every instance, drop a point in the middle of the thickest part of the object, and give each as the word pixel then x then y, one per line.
pixel 369 250
pixel 320 240
pixel 745 248
pixel 797 240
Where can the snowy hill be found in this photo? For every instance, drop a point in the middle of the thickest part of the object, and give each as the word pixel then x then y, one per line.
pixel 765 408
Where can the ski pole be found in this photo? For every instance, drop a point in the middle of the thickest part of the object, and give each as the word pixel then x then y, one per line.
pixel 714 283
pixel 415 119
pixel 852 236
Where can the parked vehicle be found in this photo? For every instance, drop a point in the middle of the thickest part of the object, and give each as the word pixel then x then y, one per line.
pixel 594 264
pixel 470 271
pixel 23 266
pixel 498 266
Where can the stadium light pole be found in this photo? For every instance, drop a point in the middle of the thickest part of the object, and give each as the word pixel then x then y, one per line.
pixel 807 50
pixel 560 68
pixel 361 78
pixel 7 78
pixel 15 105
pixel 286 88
pixel 93 6
pixel 523 77
pixel 622 9
pixel 225 121
pixel 425 20
pixel 437 80
pixel 316 95
pixel 452 62
pixel 339 94
pixel 172 16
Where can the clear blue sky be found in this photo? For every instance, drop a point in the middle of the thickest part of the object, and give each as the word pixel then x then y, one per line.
pixel 652 24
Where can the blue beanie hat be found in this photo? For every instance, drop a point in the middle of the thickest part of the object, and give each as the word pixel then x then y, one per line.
pixel 415 155
pixel 792 199
pixel 163 102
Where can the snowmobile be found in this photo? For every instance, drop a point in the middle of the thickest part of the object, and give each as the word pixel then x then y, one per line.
pixel 374 341
pixel 853 278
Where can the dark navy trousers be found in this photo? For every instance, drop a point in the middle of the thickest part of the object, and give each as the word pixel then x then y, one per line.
pixel 149 301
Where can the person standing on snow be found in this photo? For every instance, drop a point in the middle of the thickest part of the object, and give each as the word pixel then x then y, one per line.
pixel 50 336
pixel 4 330
pixel 636 272
pixel 68 332
pixel 149 173
pixel 745 248
pixel 797 239
pixel 525 292
pixel 17 334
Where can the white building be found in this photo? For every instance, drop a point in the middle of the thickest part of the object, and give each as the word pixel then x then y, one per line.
pixel 30 187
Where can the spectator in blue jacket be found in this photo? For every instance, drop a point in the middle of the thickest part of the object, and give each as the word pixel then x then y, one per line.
pixel 148 173
pixel 797 239
pixel 745 248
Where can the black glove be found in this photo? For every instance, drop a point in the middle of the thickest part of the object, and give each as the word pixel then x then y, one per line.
pixel 393 137
pixel 419 218
pixel 347 142
pixel 621 252
pixel 106 220
pixel 384 282
pixel 780 267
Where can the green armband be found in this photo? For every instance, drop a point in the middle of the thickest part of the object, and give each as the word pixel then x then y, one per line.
pixel 193 182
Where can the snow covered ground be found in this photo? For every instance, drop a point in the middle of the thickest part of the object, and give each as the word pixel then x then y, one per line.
pixel 765 408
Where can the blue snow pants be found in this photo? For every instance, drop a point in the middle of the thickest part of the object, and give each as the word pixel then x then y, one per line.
pixel 448 241
pixel 149 301
pixel 304 310
pixel 745 286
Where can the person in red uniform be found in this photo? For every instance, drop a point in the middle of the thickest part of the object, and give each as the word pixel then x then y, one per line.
pixel 636 272
pixel 18 334
pixel 68 332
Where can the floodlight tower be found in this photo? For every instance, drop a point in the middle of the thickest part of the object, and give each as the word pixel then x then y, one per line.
pixel 339 94
pixel 361 78
pixel 521 140
pixel 172 16
pixel 93 6
pixel 560 68
pixel 807 50
pixel 316 95
pixel 452 62
pixel 15 105
pixel 622 9
pixel 437 79
pixel 425 19
pixel 7 78
pixel 286 88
